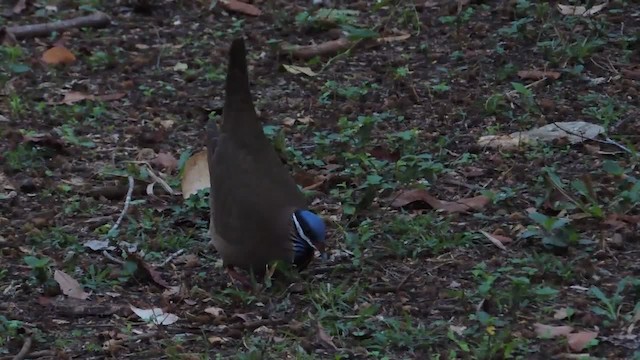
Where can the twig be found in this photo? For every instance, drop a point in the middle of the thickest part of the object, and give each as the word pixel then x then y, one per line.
pixel 307 52
pixel 607 141
pixel 127 202
pixel 96 20
pixel 112 258
pixel 26 347
pixel 250 326
pixel 160 181
pixel 170 258
pixel 125 209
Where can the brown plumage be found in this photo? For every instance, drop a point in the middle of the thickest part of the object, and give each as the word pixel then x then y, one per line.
pixel 253 196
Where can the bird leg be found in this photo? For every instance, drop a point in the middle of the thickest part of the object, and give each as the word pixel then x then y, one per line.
pixel 238 278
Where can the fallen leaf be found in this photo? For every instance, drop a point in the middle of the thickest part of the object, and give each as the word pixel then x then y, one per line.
pixel 58 55
pixel 97 245
pixel 574 131
pixel 70 286
pixel 410 196
pixel 155 315
pixel 549 331
pixel 146 271
pixel 495 239
pixel 72 97
pixel 196 174
pixel 389 39
pixel 324 338
pixel 167 124
pixel 506 142
pixel 165 161
pixel 458 329
pixel 299 70
pixel 537 74
pixel 215 311
pixel 581 10
pixel 180 67
pixel 288 121
pixel 109 97
pixel 579 340
pixel 241 7
pixel 216 340
pixel 561 314
pixel 19 6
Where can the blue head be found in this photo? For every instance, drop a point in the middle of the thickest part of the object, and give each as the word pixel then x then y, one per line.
pixel 309 234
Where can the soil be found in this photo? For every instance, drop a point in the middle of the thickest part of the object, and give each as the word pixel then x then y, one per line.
pixel 64 170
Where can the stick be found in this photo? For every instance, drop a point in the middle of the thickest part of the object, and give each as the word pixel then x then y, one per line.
pixel 127 201
pixel 170 258
pixel 26 347
pixel 307 52
pixel 95 20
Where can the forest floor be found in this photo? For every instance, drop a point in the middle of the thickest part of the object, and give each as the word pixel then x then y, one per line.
pixel 443 246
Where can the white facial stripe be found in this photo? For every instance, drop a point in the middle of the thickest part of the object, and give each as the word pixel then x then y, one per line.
pixel 300 232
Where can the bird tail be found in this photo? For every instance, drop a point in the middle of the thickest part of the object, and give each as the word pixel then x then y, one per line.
pixel 238 107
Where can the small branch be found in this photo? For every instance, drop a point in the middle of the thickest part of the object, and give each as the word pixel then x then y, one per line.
pixel 127 202
pixel 310 51
pixel 112 258
pixel 125 209
pixel 26 347
pixel 95 20
pixel 170 258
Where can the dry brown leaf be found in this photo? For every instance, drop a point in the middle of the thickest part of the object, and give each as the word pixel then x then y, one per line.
pixel 73 97
pixel 561 314
pixel 58 55
pixel 109 97
pixel 579 340
pixel 537 74
pixel 145 271
pixel 497 239
pixel 389 39
pixel 549 331
pixel 155 315
pixel 215 311
pixel 463 205
pixel 296 70
pixel 410 196
pixel 581 10
pixel 633 74
pixel 241 7
pixel 574 131
pixel 165 162
pixel 69 286
pixel 19 6
pixel 324 338
pixel 196 174
pixel 216 340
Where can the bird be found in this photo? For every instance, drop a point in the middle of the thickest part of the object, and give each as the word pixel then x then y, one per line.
pixel 258 215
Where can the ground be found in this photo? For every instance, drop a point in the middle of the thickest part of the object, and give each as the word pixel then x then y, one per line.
pixel 376 135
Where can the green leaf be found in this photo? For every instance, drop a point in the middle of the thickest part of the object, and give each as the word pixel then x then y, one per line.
pixel 546 291
pixel 19 68
pixel 538 218
pixel 595 291
pixel 34 262
pixel 612 167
